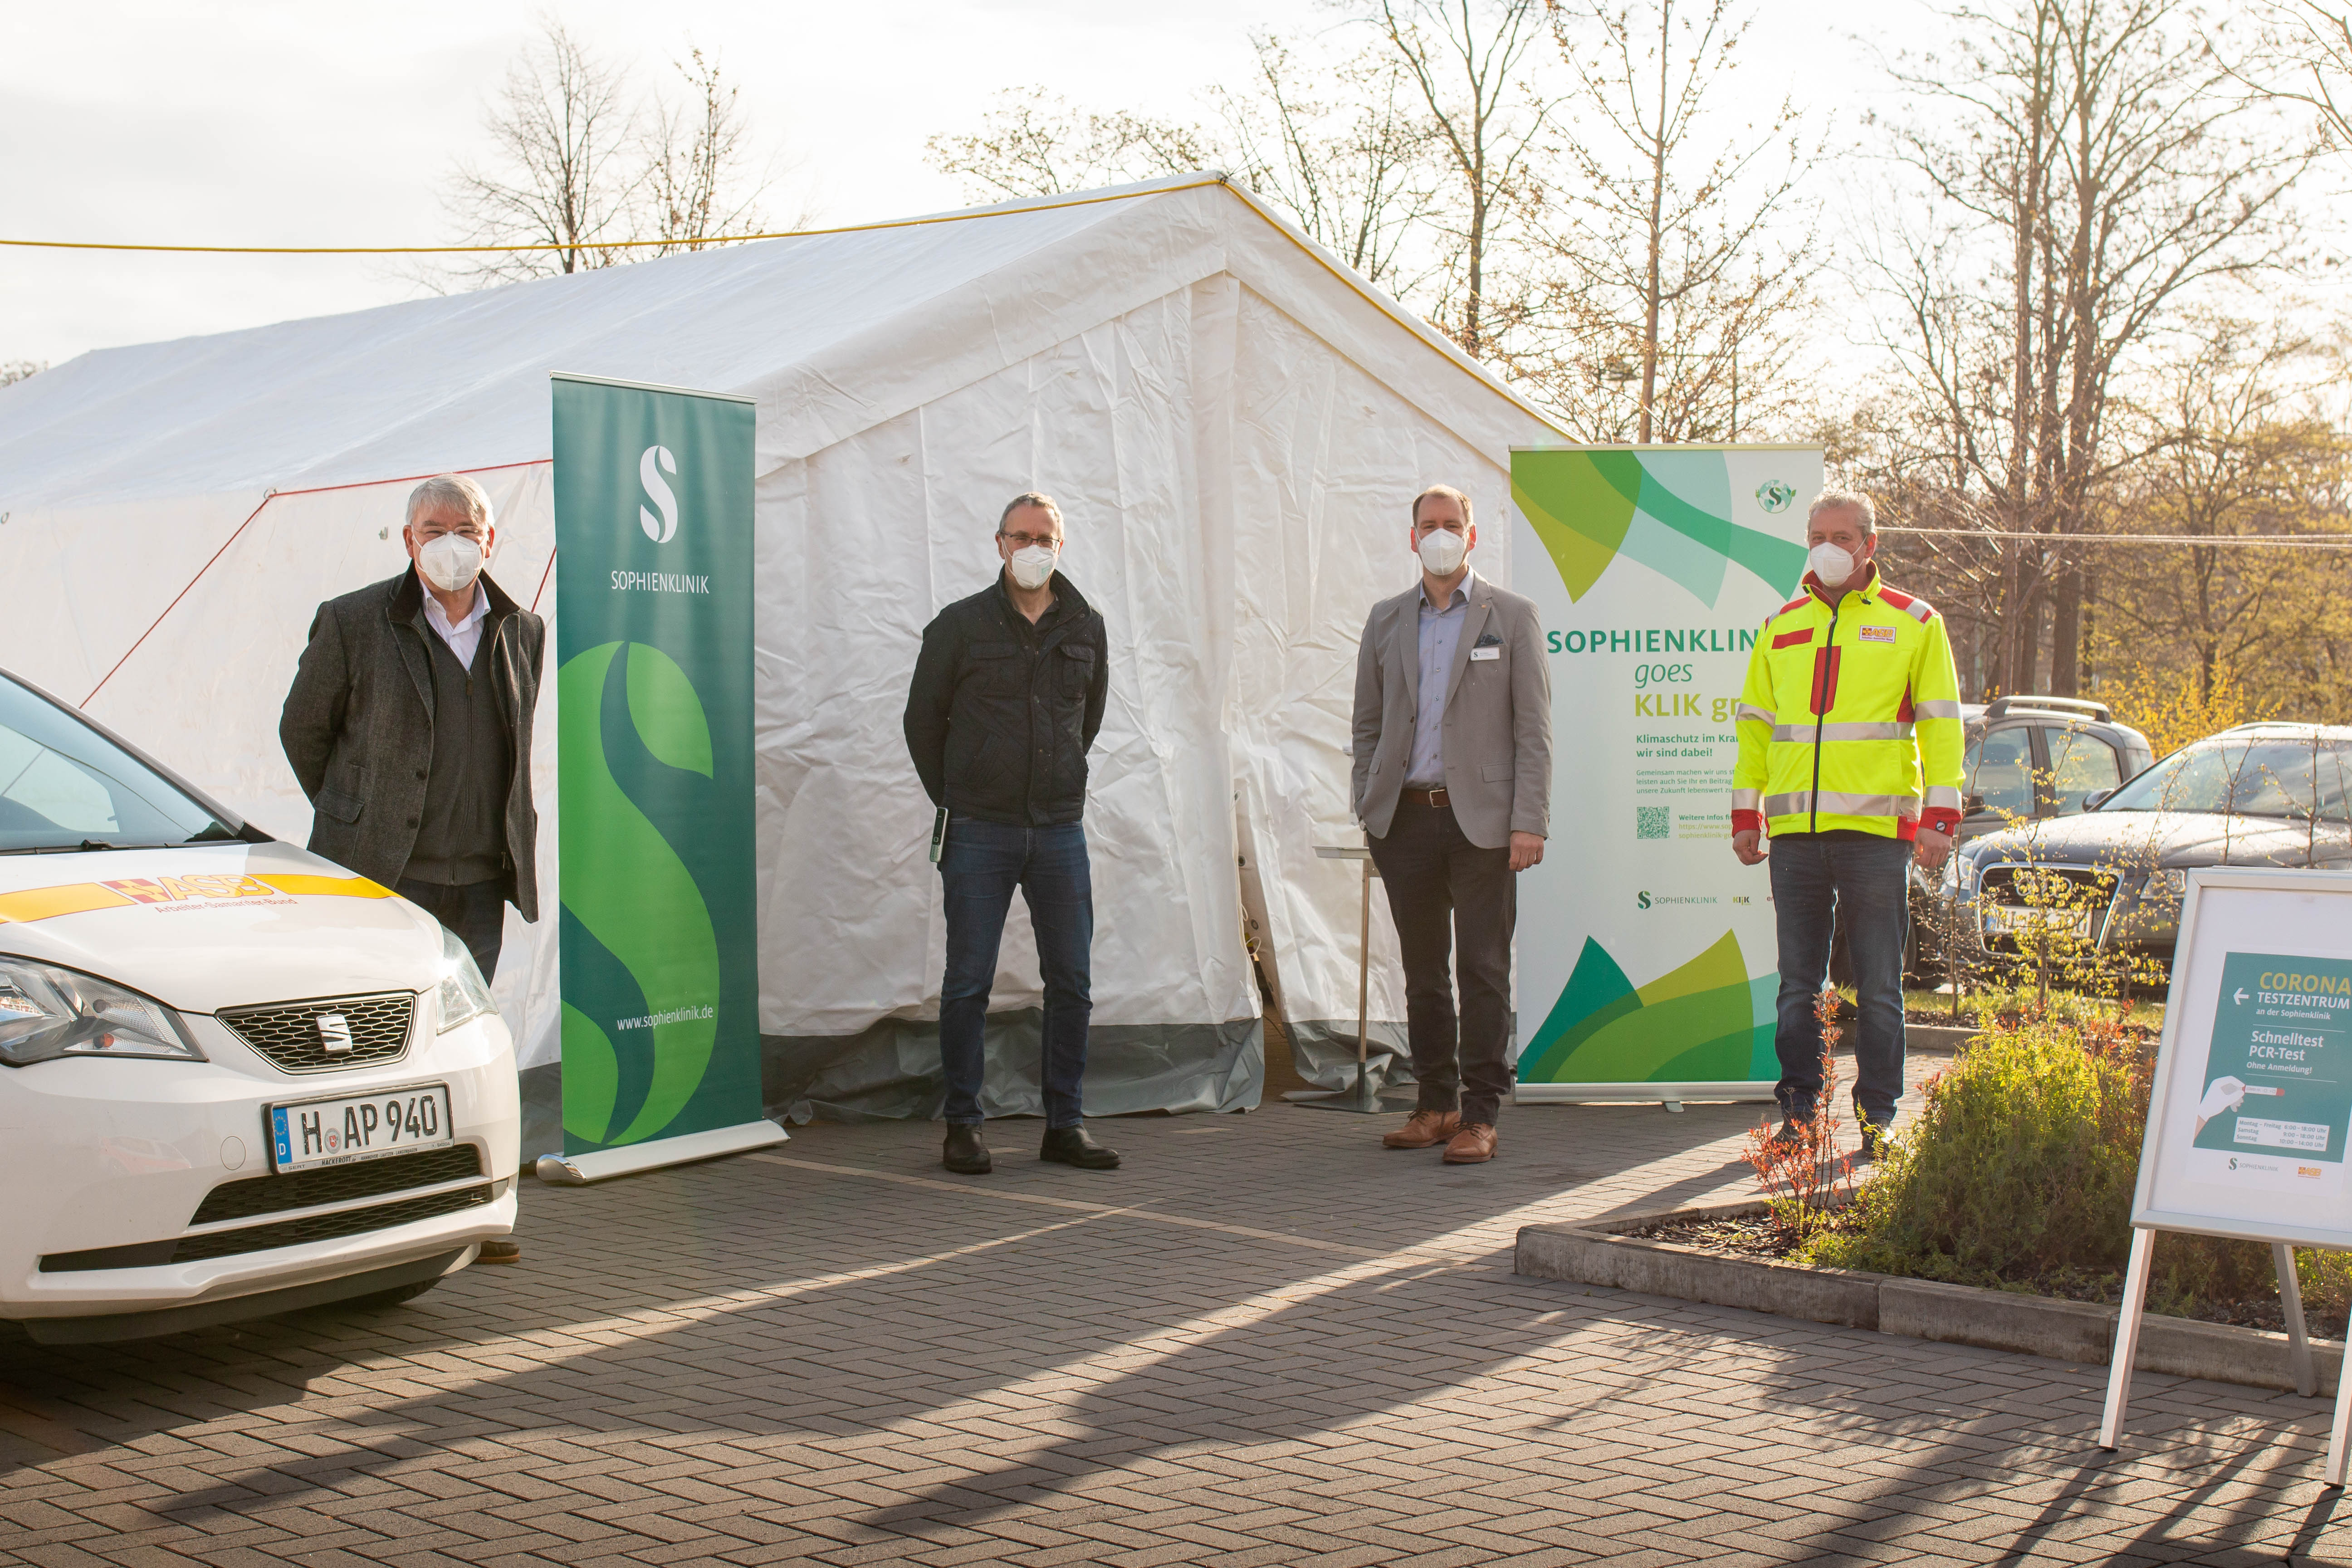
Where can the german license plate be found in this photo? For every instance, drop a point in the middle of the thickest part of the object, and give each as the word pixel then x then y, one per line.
pixel 354 1127
pixel 2010 920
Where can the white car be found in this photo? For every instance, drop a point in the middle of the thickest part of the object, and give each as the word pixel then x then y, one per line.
pixel 234 1079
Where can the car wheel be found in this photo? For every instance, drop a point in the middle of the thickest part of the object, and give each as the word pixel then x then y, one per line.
pixel 392 1298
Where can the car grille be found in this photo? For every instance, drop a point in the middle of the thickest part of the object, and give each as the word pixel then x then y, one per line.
pixel 2071 886
pixel 337 1183
pixel 288 1033
pixel 278 1233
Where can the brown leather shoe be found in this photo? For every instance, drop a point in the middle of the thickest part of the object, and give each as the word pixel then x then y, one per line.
pixel 1426 1130
pixel 1474 1145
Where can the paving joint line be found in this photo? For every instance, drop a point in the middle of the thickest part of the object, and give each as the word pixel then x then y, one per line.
pixel 1420 1255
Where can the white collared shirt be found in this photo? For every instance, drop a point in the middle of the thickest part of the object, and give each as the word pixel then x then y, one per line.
pixel 465 636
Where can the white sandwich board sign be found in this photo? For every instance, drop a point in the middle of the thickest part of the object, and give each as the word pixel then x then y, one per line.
pixel 2252 1104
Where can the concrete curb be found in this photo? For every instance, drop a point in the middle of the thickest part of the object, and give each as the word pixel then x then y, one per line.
pixel 1938 1040
pixel 2078 1331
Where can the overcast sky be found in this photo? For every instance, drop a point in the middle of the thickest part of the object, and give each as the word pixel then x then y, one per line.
pixel 276 123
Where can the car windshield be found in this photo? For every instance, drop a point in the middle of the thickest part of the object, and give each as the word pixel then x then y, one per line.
pixel 63 785
pixel 2254 778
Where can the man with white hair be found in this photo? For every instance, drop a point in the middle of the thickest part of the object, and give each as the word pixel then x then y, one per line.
pixel 1850 742
pixel 409 725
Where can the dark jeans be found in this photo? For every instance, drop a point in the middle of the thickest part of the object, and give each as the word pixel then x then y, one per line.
pixel 475 911
pixel 1861 887
pixel 979 868
pixel 1442 889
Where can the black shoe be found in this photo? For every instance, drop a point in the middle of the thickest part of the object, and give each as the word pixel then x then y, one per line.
pixel 965 1154
pixel 1075 1146
pixel 1792 1132
pixel 1872 1134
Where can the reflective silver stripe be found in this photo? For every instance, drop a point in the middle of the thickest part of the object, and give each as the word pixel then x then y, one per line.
pixel 1746 799
pixel 1842 732
pixel 1836 804
pixel 1938 709
pixel 1919 610
pixel 1944 795
pixel 1749 710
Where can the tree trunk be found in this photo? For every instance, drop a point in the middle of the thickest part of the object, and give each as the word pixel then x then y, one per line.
pixel 2066 634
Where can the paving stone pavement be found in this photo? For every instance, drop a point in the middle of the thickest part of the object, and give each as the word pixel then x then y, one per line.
pixel 1265 1341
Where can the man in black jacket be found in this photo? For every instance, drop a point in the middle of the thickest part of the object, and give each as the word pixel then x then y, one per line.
pixel 408 726
pixel 1008 693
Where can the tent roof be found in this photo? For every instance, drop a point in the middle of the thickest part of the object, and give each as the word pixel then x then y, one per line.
pixel 830 332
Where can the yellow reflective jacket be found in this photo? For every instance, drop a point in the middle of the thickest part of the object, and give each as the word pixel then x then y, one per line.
pixel 1851 717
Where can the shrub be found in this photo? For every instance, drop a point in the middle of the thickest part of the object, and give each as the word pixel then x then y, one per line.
pixel 2019 1176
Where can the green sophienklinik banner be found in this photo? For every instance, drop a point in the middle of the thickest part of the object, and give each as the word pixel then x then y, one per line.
pixel 653 525
pixel 1648 963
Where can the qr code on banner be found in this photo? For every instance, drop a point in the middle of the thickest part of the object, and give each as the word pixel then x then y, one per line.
pixel 1650 822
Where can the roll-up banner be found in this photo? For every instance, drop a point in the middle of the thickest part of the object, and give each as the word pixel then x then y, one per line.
pixel 1647 964
pixel 661 967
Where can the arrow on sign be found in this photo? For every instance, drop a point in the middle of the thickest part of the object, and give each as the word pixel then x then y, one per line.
pixel 2242 995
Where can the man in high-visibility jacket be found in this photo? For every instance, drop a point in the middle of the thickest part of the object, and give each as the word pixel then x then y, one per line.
pixel 1850 747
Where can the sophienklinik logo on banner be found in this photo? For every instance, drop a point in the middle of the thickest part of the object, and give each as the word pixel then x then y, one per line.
pixel 653 504
pixel 1646 952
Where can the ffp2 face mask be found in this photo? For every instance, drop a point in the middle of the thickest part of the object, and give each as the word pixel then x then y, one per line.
pixel 1441 551
pixel 1033 566
pixel 450 562
pixel 1831 563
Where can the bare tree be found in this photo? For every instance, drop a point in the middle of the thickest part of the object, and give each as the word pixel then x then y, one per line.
pixel 1479 72
pixel 1673 270
pixel 2094 159
pixel 580 166
pixel 565 173
pixel 698 189
pixel 1351 160
pixel 1035 143
pixel 12 370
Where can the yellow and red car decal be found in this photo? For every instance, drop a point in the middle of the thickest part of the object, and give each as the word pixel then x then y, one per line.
pixel 80 897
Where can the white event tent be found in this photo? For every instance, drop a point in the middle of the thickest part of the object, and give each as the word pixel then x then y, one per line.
pixel 1231 419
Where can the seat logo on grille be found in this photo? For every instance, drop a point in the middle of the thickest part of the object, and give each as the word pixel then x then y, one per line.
pixel 335 1034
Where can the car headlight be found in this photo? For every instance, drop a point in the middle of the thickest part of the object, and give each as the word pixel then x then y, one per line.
pixel 47 1013
pixel 1967 872
pixel 2172 883
pixel 464 994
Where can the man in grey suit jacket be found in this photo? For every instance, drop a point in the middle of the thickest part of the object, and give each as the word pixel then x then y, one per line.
pixel 1453 782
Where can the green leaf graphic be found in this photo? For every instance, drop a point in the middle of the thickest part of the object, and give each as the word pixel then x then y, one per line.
pixel 667 713
pixel 1704 1020
pixel 637 899
pixel 591 1077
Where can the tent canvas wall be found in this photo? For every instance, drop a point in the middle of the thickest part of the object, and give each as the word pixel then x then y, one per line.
pixel 1231 420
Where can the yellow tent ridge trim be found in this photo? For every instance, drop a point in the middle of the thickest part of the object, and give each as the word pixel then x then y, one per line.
pixel 599 243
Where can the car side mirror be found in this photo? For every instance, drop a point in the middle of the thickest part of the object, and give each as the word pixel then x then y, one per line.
pixel 2091 800
pixel 1971 803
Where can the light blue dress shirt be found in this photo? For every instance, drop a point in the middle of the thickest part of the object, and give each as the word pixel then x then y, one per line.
pixel 1440 631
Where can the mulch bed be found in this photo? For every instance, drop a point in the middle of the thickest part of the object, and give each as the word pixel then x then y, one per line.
pixel 1758 1238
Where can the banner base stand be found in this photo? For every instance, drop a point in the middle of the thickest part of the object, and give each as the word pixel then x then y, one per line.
pixel 1364 1099
pixel 579 1170
pixel 1673 1095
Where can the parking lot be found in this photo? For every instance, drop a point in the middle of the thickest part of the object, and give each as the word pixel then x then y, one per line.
pixel 1265 1341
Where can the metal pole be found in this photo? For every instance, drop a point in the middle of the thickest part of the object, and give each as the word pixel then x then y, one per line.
pixel 2298 1338
pixel 2127 1345
pixel 2337 1430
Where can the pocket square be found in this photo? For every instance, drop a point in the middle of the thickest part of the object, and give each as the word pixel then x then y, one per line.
pixel 1489 640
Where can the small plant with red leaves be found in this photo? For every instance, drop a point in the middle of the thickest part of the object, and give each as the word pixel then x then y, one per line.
pixel 1804 1176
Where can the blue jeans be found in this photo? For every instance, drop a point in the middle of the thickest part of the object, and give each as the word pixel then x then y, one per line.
pixel 1862 885
pixel 980 867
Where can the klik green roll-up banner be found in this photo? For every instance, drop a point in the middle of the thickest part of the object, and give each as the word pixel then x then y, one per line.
pixel 1648 963
pixel 660 961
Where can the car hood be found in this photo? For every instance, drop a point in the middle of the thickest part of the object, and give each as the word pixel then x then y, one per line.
pixel 2152 838
pixel 216 925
